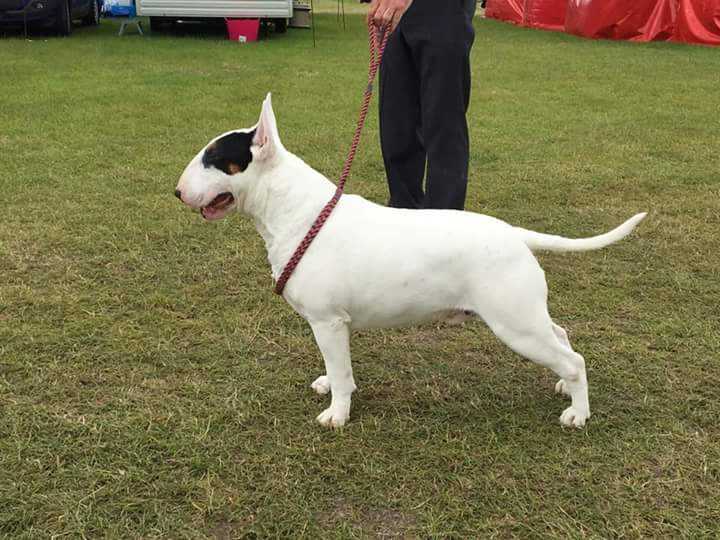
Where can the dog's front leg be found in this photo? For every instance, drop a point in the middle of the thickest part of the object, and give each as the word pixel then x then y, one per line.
pixel 333 338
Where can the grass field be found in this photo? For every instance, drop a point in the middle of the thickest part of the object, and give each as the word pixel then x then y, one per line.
pixel 151 384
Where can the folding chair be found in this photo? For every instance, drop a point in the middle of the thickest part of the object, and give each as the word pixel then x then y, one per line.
pixel 131 18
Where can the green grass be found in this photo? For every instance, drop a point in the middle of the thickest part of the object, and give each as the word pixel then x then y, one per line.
pixel 151 384
pixel 337 6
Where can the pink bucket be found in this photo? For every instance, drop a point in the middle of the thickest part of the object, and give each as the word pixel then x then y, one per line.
pixel 243 29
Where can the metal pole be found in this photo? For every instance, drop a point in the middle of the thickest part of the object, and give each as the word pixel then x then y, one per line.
pixel 25 18
pixel 312 21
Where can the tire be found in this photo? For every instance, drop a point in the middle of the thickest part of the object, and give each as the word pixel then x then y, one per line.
pixel 93 16
pixel 281 26
pixel 63 20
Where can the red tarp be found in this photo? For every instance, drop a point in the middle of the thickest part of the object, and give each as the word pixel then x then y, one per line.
pixel 545 14
pixel 691 21
pixel 636 20
pixel 505 10
pixel 698 21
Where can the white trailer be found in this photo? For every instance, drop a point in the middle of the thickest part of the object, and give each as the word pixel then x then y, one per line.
pixel 166 10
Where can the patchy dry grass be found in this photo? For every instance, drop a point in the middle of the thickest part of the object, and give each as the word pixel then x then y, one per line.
pixel 151 385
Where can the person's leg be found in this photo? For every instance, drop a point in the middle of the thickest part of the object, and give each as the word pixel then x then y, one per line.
pixel 402 150
pixel 440 36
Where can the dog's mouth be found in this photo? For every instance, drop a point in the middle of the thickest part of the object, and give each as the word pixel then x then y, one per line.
pixel 218 207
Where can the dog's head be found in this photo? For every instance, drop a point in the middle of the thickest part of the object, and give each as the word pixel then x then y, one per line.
pixel 217 179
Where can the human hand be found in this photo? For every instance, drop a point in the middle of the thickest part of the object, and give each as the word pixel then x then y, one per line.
pixel 387 12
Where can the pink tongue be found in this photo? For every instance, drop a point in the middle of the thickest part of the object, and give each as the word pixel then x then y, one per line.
pixel 209 212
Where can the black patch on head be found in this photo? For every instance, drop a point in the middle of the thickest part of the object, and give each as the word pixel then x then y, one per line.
pixel 230 154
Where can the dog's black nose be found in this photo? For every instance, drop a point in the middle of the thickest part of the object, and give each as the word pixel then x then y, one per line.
pixel 178 194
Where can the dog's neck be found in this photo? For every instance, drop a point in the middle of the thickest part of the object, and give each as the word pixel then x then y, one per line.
pixel 284 201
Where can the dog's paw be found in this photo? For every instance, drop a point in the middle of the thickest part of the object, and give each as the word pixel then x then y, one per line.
pixel 333 418
pixel 573 417
pixel 321 385
pixel 562 388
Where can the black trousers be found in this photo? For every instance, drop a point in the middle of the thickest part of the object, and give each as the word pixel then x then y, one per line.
pixel 424 95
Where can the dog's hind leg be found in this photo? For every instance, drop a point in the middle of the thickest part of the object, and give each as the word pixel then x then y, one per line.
pixel 516 312
pixel 333 339
pixel 537 342
pixel 561 334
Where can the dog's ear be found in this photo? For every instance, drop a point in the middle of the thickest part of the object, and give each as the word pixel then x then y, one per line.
pixel 266 141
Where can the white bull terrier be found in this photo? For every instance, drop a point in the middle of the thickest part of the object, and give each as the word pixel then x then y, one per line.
pixel 376 267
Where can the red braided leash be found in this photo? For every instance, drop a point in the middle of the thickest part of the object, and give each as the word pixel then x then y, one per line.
pixel 378 40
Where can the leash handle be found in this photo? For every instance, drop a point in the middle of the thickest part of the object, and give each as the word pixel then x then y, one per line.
pixel 377 39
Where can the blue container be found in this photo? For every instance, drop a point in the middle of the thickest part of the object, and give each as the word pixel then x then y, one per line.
pixel 122 11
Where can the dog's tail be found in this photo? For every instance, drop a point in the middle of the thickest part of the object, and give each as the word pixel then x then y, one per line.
pixel 549 242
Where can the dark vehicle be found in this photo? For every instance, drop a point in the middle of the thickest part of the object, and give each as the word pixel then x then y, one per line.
pixel 57 15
